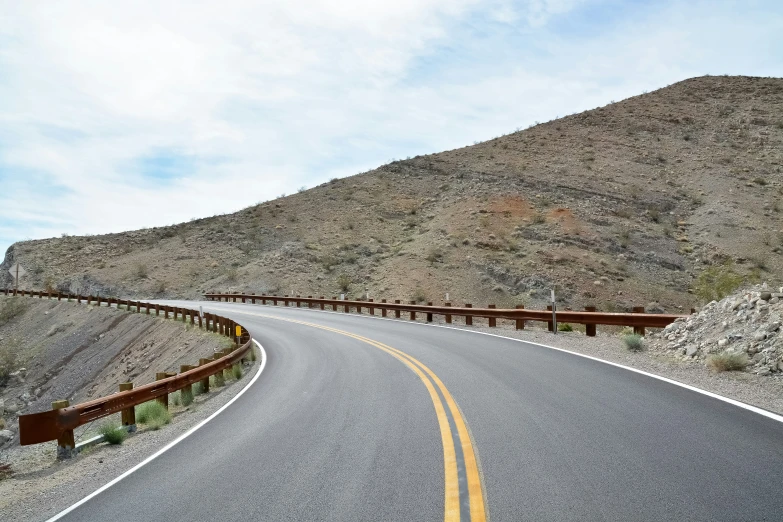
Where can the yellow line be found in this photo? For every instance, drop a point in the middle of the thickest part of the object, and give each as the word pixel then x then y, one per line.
pixel 475 491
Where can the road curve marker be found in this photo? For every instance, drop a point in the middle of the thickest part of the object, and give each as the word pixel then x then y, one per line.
pixel 171 444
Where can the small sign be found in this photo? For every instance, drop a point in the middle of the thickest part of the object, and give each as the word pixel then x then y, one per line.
pixel 239 331
pixel 16 270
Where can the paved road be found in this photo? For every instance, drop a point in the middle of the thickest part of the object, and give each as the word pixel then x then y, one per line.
pixel 342 427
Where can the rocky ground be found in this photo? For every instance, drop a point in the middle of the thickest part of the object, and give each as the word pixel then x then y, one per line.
pixel 625 205
pixel 747 322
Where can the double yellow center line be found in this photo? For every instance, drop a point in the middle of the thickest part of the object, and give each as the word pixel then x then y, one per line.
pixel 464 496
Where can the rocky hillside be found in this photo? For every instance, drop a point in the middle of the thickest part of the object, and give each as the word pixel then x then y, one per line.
pixel 623 205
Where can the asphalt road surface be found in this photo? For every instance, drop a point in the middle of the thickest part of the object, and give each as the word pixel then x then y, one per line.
pixel 364 419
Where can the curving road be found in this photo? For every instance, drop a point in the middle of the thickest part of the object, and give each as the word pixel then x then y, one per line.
pixel 364 419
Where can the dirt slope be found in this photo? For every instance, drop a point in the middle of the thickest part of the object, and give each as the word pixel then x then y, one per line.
pixel 77 352
pixel 619 206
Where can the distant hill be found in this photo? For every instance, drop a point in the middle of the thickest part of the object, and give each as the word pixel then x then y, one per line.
pixel 618 206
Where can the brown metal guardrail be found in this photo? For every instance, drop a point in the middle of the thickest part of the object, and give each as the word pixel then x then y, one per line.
pixel 58 424
pixel 590 318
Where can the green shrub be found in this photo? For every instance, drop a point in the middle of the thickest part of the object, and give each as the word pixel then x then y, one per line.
pixel 344 282
pixel 12 308
pixel 153 414
pixel 564 327
pixel 186 397
pixel 419 296
pixel 634 342
pixel 9 349
pixel 198 388
pixel 112 433
pixel 716 282
pixel 728 361
pixel 176 398
pixel 236 371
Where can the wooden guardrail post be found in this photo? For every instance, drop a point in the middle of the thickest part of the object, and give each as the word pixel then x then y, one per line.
pixel 520 322
pixel 66 445
pixel 322 304
pixel 163 399
pixel 165 312
pixel 383 310
pixel 396 312
pixel 447 316
pixel 188 388
pixel 639 330
pixel 200 321
pixel 412 313
pixel 492 320
pixel 371 308
pixel 590 327
pixel 359 308
pixel 468 318
pixel 59 296
pixel 550 325
pixel 205 380
pixel 128 414
pixel 298 301
pixel 429 314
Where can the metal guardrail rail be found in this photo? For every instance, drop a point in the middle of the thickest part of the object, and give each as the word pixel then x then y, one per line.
pixel 590 318
pixel 58 424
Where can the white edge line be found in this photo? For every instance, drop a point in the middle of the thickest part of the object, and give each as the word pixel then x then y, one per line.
pixel 743 405
pixel 170 444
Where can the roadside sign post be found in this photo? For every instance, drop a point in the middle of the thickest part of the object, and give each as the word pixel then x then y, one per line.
pixel 239 334
pixel 17 271
pixel 554 313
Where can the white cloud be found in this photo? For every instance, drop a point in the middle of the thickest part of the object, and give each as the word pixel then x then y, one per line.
pixel 266 97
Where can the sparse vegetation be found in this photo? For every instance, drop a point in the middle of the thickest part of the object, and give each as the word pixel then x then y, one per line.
pixel 760 181
pixel 344 282
pixel 112 433
pixel 152 414
pixel 9 350
pixel 716 282
pixel 12 308
pixel 634 342
pixel 419 296
pixel 564 327
pixel 539 218
pixel 728 361
pixel 140 271
pixel 236 371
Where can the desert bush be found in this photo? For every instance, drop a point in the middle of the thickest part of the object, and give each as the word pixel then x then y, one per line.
pixel 140 271
pixel 153 414
pixel 565 327
pixel 419 296
pixel 716 282
pixel 186 397
pixel 112 433
pixel 760 181
pixel 231 275
pixel 728 361
pixel 634 342
pixel 539 218
pixel 434 255
pixel 12 308
pixel 8 354
pixel 236 371
pixel 198 388
pixel 344 282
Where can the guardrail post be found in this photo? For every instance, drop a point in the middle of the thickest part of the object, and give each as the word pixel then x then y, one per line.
pixel 66 445
pixel 298 301
pixel 412 313
pixel 429 314
pixel 550 324
pixel 322 304
pixel 59 295
pixel 396 312
pixel 205 380
pixel 359 308
pixel 520 322
pixel 128 414
pixel 447 316
pixel 590 327
pixel 200 322
pixel 639 330
pixel 188 388
pixel 243 297
pixel 492 320
pixel 163 399
pixel 383 310
pixel 371 308
pixel 157 310
pixel 285 300
pixel 468 318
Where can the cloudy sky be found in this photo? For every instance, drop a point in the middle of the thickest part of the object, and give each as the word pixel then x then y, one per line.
pixel 122 115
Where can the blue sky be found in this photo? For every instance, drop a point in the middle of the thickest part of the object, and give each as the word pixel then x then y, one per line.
pixel 115 117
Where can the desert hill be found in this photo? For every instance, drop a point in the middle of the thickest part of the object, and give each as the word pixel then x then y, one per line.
pixel 623 205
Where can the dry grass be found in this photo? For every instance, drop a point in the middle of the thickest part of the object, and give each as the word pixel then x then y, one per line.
pixel 728 361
